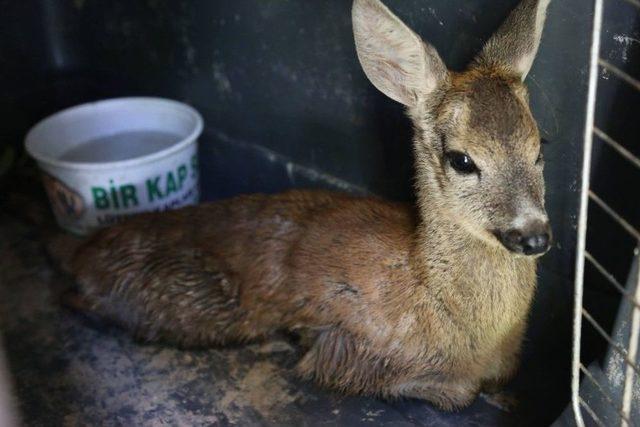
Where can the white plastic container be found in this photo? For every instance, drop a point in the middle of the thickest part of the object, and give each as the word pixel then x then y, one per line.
pixel 105 160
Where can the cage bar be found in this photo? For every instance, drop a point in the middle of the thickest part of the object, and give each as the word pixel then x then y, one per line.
pixel 618 147
pixel 602 391
pixel 614 344
pixel 634 334
pixel 591 412
pixel 584 202
pixel 616 216
pixel 619 73
pixel 611 279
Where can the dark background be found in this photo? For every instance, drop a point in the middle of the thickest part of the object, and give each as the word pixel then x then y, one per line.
pixel 286 105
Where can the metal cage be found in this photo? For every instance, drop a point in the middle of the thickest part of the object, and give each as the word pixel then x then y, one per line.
pixel 608 393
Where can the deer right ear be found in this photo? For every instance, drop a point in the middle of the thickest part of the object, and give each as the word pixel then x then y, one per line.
pixel 514 46
pixel 392 56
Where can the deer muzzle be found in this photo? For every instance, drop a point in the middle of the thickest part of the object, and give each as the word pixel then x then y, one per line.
pixel 531 239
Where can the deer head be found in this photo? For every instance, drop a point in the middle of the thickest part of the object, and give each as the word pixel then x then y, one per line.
pixel 477 145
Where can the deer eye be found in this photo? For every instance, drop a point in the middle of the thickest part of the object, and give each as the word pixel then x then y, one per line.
pixel 461 162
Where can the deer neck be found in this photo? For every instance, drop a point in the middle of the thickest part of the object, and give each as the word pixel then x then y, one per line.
pixel 459 265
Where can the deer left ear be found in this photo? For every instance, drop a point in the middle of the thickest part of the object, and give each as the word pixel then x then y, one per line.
pixel 514 46
pixel 394 58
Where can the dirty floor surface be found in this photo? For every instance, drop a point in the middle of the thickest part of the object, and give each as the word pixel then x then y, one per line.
pixel 73 371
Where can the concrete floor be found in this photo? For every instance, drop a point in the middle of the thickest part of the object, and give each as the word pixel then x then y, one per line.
pixel 69 370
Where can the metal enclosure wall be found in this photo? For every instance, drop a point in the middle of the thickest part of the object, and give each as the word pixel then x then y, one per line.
pixel 286 104
pixel 612 176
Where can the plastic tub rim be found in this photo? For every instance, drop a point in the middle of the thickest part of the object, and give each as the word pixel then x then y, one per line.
pixel 119 164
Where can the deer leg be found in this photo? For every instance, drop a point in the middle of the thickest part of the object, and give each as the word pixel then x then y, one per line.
pixel 341 361
pixel 446 395
pixel 185 306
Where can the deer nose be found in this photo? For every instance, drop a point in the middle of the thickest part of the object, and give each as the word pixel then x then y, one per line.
pixel 536 244
pixel 532 240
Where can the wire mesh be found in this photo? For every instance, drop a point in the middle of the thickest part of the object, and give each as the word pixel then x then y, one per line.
pixel 625 348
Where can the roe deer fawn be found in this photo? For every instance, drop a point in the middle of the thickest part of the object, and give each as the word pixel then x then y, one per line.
pixel 428 302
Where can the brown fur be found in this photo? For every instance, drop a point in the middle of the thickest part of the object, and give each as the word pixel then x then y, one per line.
pixel 400 301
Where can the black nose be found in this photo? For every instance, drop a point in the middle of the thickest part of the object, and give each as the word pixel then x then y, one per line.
pixel 536 244
pixel 528 242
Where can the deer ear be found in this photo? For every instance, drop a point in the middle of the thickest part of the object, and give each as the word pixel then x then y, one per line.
pixel 514 46
pixel 392 56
